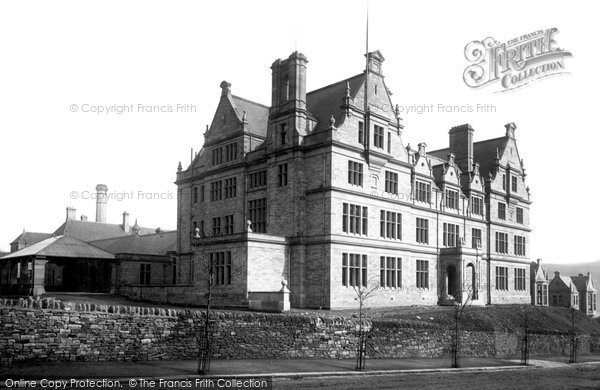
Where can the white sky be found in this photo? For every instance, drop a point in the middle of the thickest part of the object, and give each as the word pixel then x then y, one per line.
pixel 55 54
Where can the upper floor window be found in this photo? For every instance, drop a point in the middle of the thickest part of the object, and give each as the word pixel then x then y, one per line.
pixel 354 219
pixel 501 242
pixel 451 235
pixel 216 228
pixel 228 224
pixel 216 190
pixel 476 205
pixel 390 225
pixel 378 137
pixel 475 238
pixel 389 142
pixel 361 132
pixel 422 231
pixel 391 182
pixel 513 183
pixel 258 215
pixel 202 193
pixel 283 134
pixel 282 175
pixel 422 191
pixel 355 173
pixel 504 181
pixel 452 199
pixel 231 152
pixel 501 210
pixel 257 179
pixel 519 215
pixel 519 245
pixel 217 156
pixel 230 187
pixel 195 194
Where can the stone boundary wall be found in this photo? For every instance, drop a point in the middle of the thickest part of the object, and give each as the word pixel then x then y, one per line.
pixel 51 330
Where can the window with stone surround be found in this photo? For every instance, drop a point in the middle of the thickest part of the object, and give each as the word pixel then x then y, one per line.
pixel 391 182
pixel 514 184
pixel 202 193
pixel 221 263
pixel 519 245
pixel 389 142
pixel 354 270
pixel 257 179
pixel 502 211
pixel 228 224
pixel 361 132
pixel 230 187
pixel 216 190
pixel 451 199
pixel 501 242
pixel 378 137
pixel 501 278
pixel 231 152
pixel 422 231
pixel 283 134
pixel 390 225
pixel 422 191
pixel 390 271
pixel 451 235
pixel 422 274
pixel 216 226
pixel 520 215
pixel 258 215
pixel 476 238
pixel 195 194
pixel 145 272
pixel 476 205
pixel 520 279
pixel 355 219
pixel 355 173
pixel 282 175
pixel 217 155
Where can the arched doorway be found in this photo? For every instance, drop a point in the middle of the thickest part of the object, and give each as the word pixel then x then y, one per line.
pixel 451 281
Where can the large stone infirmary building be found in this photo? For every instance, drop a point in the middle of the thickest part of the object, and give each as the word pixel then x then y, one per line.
pixel 320 189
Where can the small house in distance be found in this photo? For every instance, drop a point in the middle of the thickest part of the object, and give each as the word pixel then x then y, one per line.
pixel 563 292
pixel 587 293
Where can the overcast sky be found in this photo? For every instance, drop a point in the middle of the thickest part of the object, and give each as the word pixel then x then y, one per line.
pixel 59 54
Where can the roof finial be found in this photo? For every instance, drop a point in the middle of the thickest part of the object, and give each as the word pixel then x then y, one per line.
pixel 347 99
pixel 497 154
pixel 179 168
pixel 332 121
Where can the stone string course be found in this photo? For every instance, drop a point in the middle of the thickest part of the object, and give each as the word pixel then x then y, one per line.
pixel 51 330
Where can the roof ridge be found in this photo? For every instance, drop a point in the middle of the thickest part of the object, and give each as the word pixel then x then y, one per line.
pixel 336 83
pixel 249 101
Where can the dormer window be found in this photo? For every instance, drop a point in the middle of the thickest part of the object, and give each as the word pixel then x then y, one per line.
pixel 514 183
pixel 283 133
pixel 378 137
pixel 422 192
pixel 361 132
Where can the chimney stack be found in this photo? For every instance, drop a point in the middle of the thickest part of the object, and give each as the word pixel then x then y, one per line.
pixel 101 190
pixel 126 222
pixel 461 144
pixel 71 211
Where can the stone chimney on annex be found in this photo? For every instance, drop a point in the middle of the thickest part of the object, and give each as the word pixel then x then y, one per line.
pixel 101 198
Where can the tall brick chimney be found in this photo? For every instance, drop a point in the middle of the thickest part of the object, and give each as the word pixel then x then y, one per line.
pixel 461 144
pixel 126 222
pixel 101 190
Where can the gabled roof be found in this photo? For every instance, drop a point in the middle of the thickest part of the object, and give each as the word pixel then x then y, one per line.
pixel 157 244
pixel 29 238
pixel 564 280
pixel 62 246
pixel 90 231
pixel 484 153
pixel 257 115
pixel 326 101
pixel 583 283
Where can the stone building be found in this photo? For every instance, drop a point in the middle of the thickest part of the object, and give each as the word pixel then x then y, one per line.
pixel 320 190
pixel 539 284
pixel 587 294
pixel 563 292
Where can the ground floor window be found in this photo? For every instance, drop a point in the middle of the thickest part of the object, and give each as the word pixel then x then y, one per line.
pixel 145 273
pixel 501 278
pixel 354 270
pixel 422 274
pixel 520 279
pixel 390 271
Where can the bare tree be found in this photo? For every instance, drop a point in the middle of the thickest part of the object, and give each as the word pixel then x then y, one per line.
pixel 574 339
pixel 363 293
pixel 460 303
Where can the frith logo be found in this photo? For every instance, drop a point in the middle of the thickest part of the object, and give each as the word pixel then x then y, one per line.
pixel 515 63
